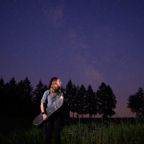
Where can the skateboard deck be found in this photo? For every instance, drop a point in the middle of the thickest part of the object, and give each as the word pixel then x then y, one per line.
pixel 50 110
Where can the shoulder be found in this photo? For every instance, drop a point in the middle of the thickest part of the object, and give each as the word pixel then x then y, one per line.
pixel 45 96
pixel 47 92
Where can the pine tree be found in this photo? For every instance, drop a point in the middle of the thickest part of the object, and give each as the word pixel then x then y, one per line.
pixel 12 89
pixel 70 96
pixel 39 91
pixel 106 101
pixel 27 97
pixel 10 97
pixel 81 101
pixel 2 94
pixel 73 99
pixel 92 102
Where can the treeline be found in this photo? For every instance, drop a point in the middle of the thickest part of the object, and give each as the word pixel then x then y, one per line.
pixel 21 99
pixel 85 101
pixel 103 101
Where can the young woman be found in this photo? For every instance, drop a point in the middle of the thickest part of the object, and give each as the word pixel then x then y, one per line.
pixel 54 122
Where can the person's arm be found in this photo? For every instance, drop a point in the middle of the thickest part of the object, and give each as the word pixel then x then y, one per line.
pixel 43 111
pixel 42 105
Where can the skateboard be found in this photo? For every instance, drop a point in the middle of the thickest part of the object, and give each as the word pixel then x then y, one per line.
pixel 50 110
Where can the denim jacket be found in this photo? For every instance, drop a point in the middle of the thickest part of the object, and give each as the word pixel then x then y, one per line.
pixel 49 97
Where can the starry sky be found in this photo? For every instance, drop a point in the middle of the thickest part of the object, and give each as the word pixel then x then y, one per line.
pixel 87 41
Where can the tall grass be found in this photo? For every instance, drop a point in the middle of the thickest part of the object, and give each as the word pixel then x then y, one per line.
pixel 31 136
pixel 105 133
pixel 90 133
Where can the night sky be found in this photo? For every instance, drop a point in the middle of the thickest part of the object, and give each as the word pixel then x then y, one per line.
pixel 87 41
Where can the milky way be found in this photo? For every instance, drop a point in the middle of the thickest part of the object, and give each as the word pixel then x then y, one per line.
pixel 89 42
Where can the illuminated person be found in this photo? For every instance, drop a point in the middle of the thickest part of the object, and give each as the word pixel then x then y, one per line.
pixel 54 122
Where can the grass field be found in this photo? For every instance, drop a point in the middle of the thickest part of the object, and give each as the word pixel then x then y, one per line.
pixel 79 131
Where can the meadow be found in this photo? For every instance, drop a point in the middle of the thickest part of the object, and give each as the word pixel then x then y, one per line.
pixel 79 131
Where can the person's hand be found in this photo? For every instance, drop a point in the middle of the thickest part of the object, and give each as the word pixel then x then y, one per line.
pixel 62 97
pixel 45 117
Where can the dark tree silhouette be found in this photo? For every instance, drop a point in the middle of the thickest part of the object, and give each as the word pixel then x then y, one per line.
pixel 21 90
pixel 81 101
pixel 77 101
pixel 70 94
pixel 92 102
pixel 65 108
pixel 39 91
pixel 136 103
pixel 37 95
pixel 20 97
pixel 2 94
pixel 11 97
pixel 1 87
pixel 24 100
pixel 73 107
pixel 28 89
pixel 25 95
pixel 106 101
pixel 12 89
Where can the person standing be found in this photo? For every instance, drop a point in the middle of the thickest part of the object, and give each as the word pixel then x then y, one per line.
pixel 54 122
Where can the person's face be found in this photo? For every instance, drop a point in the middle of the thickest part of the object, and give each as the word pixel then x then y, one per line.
pixel 59 82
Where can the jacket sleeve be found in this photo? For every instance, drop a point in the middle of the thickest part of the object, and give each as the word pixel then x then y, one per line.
pixel 44 97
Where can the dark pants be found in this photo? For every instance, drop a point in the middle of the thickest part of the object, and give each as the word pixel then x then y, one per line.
pixel 52 126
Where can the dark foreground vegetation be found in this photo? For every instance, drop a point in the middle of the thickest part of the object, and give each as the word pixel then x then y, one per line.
pixel 76 131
